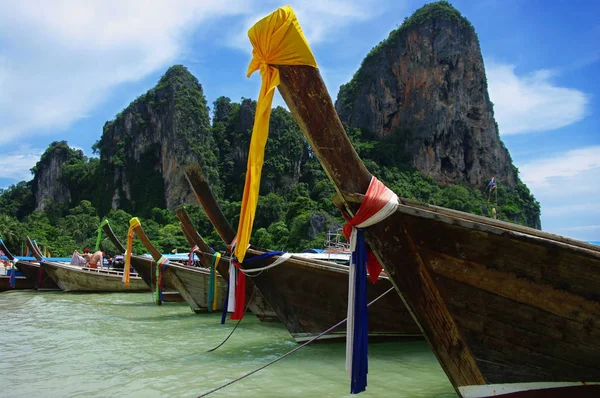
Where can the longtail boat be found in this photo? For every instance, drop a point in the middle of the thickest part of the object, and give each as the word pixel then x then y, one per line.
pixel 507 310
pixel 191 282
pixel 21 283
pixel 32 271
pixel 309 296
pixel 256 302
pixel 144 266
pixel 74 278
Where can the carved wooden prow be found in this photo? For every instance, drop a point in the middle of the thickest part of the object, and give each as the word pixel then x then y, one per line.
pixel 204 194
pixel 6 251
pixel 35 251
pixel 307 98
pixel 113 238
pixel 187 235
pixel 190 231
pixel 139 231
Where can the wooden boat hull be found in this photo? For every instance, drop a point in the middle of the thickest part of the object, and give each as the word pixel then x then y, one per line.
pixel 256 302
pixel 32 272
pixel 526 308
pixel 146 269
pixel 192 284
pixel 76 279
pixel 21 283
pixel 500 304
pixel 311 297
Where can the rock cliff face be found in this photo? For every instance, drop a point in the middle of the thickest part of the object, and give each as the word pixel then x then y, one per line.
pixel 425 87
pixel 47 187
pixel 143 149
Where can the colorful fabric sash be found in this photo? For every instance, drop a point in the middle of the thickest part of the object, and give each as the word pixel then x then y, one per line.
pixel 378 204
pixel 212 283
pixel 276 40
pixel 191 255
pixel 99 236
pixel 133 224
pixel 13 275
pixel 161 264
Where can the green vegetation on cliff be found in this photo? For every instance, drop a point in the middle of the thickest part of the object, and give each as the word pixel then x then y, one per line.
pixel 295 208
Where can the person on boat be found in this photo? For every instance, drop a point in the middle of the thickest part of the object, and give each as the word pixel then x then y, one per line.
pixel 86 250
pixel 94 260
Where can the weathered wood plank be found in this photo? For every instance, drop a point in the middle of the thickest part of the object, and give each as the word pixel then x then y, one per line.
pixel 429 255
pixel 256 301
pixel 190 282
pixel 306 96
pixel 200 186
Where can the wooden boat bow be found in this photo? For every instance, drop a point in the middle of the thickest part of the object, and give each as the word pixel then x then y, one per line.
pixel 423 273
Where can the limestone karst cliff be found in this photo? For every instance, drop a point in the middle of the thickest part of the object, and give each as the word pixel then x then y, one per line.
pixel 143 149
pixel 423 92
pixel 426 83
pixel 47 185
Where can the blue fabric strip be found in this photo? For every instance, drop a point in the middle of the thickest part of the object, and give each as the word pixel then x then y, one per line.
pixel 225 304
pixel 262 256
pixel 360 350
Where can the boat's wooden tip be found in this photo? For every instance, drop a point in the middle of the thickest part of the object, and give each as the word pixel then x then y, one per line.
pixel 193 172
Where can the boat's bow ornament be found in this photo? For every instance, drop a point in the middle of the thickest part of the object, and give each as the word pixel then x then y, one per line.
pixel 99 237
pixel 378 204
pixel 135 226
pixel 276 40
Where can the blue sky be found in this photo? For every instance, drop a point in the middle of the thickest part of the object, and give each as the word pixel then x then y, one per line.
pixel 66 67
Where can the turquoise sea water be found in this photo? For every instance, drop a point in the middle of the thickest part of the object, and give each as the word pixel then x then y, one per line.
pixel 55 344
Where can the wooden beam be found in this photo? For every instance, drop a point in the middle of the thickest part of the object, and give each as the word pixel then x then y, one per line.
pixel 306 96
pixel 200 186
pixel 190 230
pixel 113 238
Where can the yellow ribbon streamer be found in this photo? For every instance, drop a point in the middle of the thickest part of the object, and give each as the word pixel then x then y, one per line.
pixel 133 224
pixel 216 295
pixel 276 40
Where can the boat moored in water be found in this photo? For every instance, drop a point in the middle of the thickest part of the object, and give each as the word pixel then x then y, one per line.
pixel 74 278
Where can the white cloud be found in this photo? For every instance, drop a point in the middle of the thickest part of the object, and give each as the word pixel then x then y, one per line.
pixel 531 102
pixel 60 59
pixel 585 228
pixel 567 185
pixel 16 165
pixel 569 166
pixel 319 19
pixel 567 210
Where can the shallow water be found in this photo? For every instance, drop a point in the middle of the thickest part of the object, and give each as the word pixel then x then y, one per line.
pixel 55 344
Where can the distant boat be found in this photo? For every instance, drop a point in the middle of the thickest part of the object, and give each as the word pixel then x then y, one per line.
pixel 21 282
pixel 256 302
pixel 308 295
pixel 145 267
pixel 35 274
pixel 191 282
pixel 74 278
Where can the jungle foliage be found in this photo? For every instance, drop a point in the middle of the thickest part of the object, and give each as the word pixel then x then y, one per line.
pixel 295 208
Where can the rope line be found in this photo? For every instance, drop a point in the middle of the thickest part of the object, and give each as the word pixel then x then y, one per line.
pixel 237 324
pixel 288 353
pixel 280 260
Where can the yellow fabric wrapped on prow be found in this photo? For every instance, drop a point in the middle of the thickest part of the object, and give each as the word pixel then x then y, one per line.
pixel 276 40
pixel 133 224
